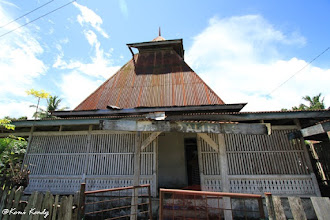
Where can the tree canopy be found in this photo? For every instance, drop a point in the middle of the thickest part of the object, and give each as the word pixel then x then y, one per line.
pixel 53 104
pixel 313 103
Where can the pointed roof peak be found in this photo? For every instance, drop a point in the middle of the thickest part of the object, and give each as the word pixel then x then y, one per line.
pixel 159 38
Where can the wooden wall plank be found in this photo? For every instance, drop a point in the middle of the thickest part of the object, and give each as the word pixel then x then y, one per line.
pixel 321 207
pixel 54 212
pixel 48 204
pixel 278 208
pixel 10 201
pixel 18 195
pixel 31 204
pixel 297 209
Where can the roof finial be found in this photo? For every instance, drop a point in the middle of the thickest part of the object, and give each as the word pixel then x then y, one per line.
pixel 159 38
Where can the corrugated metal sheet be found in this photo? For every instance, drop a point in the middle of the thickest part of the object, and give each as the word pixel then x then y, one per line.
pixel 155 78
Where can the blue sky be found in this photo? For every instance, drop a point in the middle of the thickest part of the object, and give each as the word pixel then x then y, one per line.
pixel 242 49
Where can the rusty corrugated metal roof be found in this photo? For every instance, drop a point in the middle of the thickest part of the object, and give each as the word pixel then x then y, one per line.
pixel 154 78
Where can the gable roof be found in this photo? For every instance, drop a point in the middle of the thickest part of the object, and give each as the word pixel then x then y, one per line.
pixel 155 77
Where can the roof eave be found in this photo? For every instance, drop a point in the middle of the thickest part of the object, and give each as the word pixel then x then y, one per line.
pixel 144 110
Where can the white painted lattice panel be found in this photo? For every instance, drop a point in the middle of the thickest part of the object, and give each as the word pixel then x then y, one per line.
pixel 265 154
pixel 54 185
pixel 57 155
pixel 212 183
pixel 97 183
pixel 59 163
pixel 276 186
pixel 210 158
pixel 209 164
pixel 58 144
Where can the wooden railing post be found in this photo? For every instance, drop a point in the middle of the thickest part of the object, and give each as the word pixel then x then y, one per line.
pixel 270 206
pixel 161 195
pixel 150 205
pixel 261 209
pixel 81 205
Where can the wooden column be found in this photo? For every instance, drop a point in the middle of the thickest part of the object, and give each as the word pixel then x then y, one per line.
pixel 309 163
pixel 136 178
pixel 89 137
pixel 225 185
pixel 155 170
pixel 200 162
pixel 28 146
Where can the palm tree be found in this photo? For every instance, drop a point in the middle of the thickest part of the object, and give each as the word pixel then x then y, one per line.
pixel 314 103
pixel 53 103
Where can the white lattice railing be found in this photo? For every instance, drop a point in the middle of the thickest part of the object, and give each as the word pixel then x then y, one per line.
pixel 71 184
pixel 58 162
pixel 212 183
pixel 116 182
pixel 287 185
pixel 55 184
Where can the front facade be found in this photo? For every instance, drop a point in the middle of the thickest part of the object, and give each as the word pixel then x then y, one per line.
pixel 156 122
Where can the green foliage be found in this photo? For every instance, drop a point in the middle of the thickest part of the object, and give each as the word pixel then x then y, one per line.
pixel 314 103
pixel 6 124
pixel 12 150
pixel 53 103
pixel 14 119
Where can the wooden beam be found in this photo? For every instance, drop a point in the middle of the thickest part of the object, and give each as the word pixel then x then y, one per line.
pixel 52 133
pixel 253 116
pixel 56 122
pixel 149 139
pixel 209 140
pixel 185 127
pixel 316 129
pixel 284 127
pixel 145 110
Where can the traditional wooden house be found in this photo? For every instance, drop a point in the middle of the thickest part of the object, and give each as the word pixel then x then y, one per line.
pixel 156 121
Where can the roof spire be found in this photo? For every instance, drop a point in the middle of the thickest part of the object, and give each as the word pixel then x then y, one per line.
pixel 159 38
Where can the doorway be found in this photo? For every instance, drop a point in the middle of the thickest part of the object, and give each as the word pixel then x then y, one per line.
pixel 192 165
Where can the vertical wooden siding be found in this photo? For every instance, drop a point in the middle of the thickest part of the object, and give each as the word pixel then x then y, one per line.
pixel 57 162
pixel 209 164
pixel 265 154
pixel 258 164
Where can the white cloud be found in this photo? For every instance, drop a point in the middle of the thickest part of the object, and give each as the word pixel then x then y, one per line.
pixel 239 58
pixel 16 109
pixel 123 7
pixel 101 64
pixel 8 3
pixel 91 37
pixel 20 65
pixel 88 75
pixel 76 87
pixel 88 16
